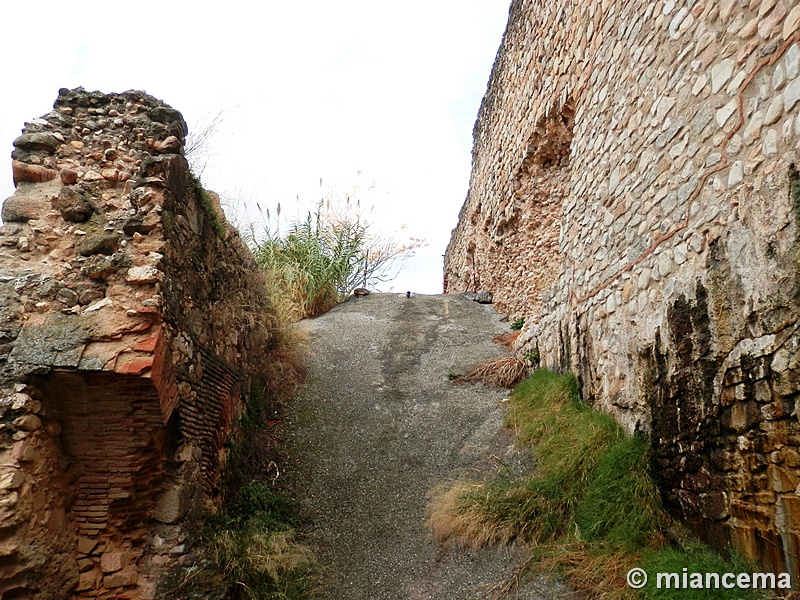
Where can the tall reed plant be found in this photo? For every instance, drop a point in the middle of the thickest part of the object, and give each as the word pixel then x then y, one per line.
pixel 323 258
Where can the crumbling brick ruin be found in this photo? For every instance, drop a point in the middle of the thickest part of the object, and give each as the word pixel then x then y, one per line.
pixel 131 319
pixel 635 195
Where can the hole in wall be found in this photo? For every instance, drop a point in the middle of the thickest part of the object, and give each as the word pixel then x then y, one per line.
pixel 113 443
pixel 549 144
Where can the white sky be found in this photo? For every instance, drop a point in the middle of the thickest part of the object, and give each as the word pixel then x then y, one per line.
pixel 305 90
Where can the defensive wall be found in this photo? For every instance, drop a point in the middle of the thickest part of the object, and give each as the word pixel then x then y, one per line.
pixel 635 195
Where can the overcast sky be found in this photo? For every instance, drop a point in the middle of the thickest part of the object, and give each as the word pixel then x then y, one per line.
pixel 353 92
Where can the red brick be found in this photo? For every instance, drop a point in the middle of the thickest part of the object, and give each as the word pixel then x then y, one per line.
pixel 147 344
pixel 135 367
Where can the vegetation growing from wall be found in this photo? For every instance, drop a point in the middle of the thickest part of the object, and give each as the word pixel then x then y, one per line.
pixel 589 509
pixel 252 548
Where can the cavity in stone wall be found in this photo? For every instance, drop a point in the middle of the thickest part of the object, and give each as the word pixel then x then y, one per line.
pixel 511 247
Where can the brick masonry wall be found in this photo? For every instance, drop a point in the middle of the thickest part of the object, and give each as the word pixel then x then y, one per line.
pixel 131 320
pixel 673 289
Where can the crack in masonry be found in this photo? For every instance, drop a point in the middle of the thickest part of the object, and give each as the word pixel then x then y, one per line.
pixel 575 301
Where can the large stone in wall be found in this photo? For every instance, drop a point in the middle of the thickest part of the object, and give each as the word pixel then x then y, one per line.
pixel 131 320
pixel 654 250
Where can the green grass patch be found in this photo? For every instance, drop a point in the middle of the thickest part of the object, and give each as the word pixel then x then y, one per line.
pixel 589 508
pixel 591 480
pixel 250 551
pixel 620 504
pixel 255 546
pixel 214 219
pixel 207 206
pixel 695 559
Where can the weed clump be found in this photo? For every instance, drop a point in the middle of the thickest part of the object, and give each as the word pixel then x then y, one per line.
pixel 323 258
pixel 207 205
pixel 255 546
pixel 251 549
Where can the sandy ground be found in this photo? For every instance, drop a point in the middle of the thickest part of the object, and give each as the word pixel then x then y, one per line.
pixel 377 426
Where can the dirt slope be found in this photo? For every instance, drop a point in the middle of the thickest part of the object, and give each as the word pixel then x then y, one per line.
pixel 377 426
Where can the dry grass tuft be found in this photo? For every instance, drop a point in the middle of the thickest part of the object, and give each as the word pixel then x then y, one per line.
pixel 453 520
pixel 591 573
pixel 504 372
pixel 258 554
pixel 284 367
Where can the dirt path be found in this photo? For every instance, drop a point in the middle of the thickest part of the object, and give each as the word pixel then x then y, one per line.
pixel 377 426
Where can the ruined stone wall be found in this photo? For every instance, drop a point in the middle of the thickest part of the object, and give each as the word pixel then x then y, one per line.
pixel 673 289
pixel 131 320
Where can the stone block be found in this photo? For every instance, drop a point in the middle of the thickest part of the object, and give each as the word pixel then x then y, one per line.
pixel 736 174
pixel 721 73
pixel 770 143
pixel 169 145
pixel 742 416
pixel 68 176
pixel 773 19
pixel 778 409
pixel 88 580
pixel 86 545
pixel 791 94
pixel 23 207
pixel 125 577
pixel 85 564
pixel 110 562
pixel 24 451
pixel 11 480
pixel 726 112
pixel 28 422
pixel 99 243
pixel 791 23
pixel 713 505
pixel 791 59
pixel 774 111
pixel 28 173
pixel 173 504
pixel 135 366
pixel 38 142
pixel 791 457
pixel 783 479
pixel 142 275
pixel 73 205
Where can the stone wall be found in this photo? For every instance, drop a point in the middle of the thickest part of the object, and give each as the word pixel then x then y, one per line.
pixel 670 132
pixel 131 320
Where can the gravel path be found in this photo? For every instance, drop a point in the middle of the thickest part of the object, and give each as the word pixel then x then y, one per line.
pixel 377 426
